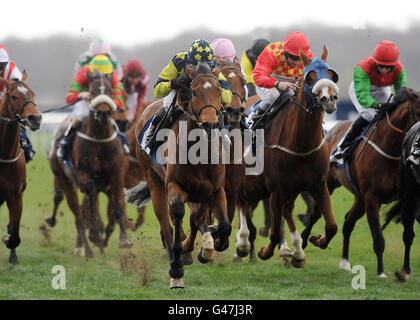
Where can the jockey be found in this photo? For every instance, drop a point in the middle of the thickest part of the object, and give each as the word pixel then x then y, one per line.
pixel 79 94
pixel 370 90
pixel 98 47
pixel 136 83
pixel 277 67
pixel 223 49
pixel 173 77
pixel 248 61
pixel 8 71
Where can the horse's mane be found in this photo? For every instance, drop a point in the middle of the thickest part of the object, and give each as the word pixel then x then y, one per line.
pixel 401 96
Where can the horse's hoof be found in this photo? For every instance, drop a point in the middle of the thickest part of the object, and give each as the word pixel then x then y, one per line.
pixel 263 232
pixel 125 244
pixel 5 239
pixel 401 276
pixel 237 258
pixel 317 241
pixel 298 263
pixel 345 265
pixel 382 275
pixel 201 258
pixel 177 284
pixel 242 252
pixel 50 221
pixel 79 251
pixel 263 256
pixel 285 252
pixel 187 259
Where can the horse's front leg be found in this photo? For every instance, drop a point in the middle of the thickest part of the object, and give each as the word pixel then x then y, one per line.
pixel 58 197
pixel 298 255
pixel 222 232
pixel 277 209
pixel 12 239
pixel 323 202
pixel 176 198
pixel 116 198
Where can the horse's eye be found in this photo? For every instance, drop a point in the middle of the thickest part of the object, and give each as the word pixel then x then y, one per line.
pixel 13 97
pixel 194 93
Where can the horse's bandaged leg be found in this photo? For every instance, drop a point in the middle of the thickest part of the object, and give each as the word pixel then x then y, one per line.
pixel 242 237
pixel 298 252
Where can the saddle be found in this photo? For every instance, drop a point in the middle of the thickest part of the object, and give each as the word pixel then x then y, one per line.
pixel 271 111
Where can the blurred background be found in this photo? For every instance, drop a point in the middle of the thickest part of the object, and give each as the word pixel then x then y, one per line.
pixel 46 38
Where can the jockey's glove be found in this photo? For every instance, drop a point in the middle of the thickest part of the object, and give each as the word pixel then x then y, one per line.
pixel 84 95
pixel 180 82
pixel 385 107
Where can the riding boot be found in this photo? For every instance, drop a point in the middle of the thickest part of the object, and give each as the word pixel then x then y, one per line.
pixel 255 118
pixel 26 145
pixel 151 132
pixel 63 150
pixel 124 141
pixel 353 132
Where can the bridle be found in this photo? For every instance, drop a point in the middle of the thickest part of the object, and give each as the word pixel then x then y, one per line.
pixel 410 122
pixel 193 115
pixel 233 67
pixel 17 114
pixel 311 98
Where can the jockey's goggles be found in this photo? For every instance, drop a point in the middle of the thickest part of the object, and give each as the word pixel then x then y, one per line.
pixel 3 65
pixel 382 66
pixel 134 75
pixel 291 56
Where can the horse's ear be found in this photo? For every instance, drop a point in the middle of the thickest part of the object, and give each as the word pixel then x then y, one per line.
pixel 5 82
pixel 236 61
pixel 324 53
pixel 24 76
pixel 412 96
pixel 218 61
pixel 306 61
pixel 190 71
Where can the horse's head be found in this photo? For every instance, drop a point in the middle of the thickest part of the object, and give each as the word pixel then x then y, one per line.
pixel 319 82
pixel 121 119
pixel 233 74
pixel 205 100
pixel 100 103
pixel 19 100
pixel 404 111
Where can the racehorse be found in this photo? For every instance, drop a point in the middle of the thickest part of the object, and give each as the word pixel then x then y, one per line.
pixel 296 161
pixel 373 170
pixel 407 209
pixel 234 169
pixel 97 156
pixel 17 108
pixel 201 183
pixel 121 120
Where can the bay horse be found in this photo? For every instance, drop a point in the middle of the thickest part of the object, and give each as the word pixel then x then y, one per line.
pixel 17 109
pixel 374 169
pixel 183 181
pixel 297 161
pixel 97 156
pixel 235 167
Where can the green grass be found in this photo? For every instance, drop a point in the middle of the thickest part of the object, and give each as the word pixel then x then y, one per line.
pixel 142 271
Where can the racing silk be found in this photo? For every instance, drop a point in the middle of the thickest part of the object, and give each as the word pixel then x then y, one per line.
pixel 272 62
pixel 366 74
pixel 174 69
pixel 85 58
pixel 10 72
pixel 247 68
pixel 81 83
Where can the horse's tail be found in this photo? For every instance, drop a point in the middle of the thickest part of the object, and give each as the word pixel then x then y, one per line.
pixel 393 214
pixel 139 195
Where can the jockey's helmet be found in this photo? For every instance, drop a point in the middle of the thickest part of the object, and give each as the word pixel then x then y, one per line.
pixel 4 55
pixel 133 67
pixel 386 53
pixel 294 42
pixel 201 51
pixel 257 47
pixel 223 48
pixel 99 47
pixel 101 63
